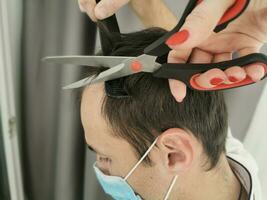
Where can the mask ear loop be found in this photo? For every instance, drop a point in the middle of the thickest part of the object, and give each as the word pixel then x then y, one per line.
pixel 170 188
pixel 142 158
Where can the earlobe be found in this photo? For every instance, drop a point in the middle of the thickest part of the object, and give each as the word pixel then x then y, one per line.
pixel 178 150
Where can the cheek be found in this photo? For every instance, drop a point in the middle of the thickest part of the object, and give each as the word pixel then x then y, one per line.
pixel 122 162
pixel 151 176
pixel 142 175
pixel 122 166
pixel 141 178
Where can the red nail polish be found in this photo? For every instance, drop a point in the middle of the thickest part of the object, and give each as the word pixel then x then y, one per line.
pixel 178 38
pixel 216 81
pixel 233 79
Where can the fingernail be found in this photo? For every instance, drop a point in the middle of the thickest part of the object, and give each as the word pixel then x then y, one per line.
pixel 216 81
pixel 178 38
pixel 233 79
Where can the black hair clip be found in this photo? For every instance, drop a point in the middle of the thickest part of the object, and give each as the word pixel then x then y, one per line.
pixel 115 88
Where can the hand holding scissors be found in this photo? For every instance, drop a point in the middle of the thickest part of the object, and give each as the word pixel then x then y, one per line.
pixel 245 35
pixel 151 60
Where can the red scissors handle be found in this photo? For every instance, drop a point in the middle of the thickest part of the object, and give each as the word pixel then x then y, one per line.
pixel 188 72
pixel 159 47
pixel 232 13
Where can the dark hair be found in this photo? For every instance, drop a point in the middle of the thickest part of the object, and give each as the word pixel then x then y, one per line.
pixel 151 109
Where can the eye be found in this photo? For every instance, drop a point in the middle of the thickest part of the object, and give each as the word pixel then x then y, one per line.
pixel 104 159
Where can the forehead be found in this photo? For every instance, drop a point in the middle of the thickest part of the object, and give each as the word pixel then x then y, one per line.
pixel 93 122
pixel 92 99
pixel 97 132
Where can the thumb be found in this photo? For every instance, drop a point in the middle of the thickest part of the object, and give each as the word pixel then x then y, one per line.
pixel 199 25
pixel 106 8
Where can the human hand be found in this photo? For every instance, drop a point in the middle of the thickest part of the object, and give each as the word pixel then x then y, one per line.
pixel 197 43
pixel 101 10
pixel 152 13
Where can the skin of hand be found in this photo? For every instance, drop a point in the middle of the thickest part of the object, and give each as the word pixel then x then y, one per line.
pixel 245 35
pixel 101 10
pixel 196 42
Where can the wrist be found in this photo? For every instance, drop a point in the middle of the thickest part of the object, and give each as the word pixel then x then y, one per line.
pixel 141 6
pixel 154 13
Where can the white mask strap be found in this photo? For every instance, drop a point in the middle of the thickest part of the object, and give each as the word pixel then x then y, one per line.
pixel 143 157
pixel 170 188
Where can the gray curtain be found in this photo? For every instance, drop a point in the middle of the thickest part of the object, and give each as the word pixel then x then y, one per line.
pixel 52 137
pixel 4 190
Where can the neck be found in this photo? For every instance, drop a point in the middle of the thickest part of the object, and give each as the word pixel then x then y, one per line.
pixel 219 183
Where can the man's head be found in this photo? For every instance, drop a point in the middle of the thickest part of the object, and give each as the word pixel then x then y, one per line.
pixel 191 135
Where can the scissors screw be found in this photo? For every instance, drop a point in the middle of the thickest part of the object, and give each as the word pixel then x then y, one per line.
pixel 136 66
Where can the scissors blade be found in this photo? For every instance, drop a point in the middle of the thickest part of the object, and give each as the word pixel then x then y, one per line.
pixel 148 64
pixel 106 75
pixel 96 61
pixel 113 73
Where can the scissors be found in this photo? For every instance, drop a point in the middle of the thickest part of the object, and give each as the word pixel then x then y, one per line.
pixel 151 60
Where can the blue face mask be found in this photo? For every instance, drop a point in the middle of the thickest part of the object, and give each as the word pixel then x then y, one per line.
pixel 118 188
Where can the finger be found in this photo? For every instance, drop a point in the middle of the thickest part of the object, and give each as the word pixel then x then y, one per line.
pixel 199 24
pixel 248 50
pixel 106 8
pixel 221 57
pixel 211 78
pixel 178 89
pixel 88 6
pixel 255 71
pixel 200 56
pixel 179 56
pixel 235 74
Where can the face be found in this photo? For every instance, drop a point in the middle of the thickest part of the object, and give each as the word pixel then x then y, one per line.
pixel 115 156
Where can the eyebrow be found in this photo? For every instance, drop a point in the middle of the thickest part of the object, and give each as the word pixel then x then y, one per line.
pixel 91 148
pixel 95 150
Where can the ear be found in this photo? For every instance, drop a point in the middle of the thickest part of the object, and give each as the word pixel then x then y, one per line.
pixel 177 148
